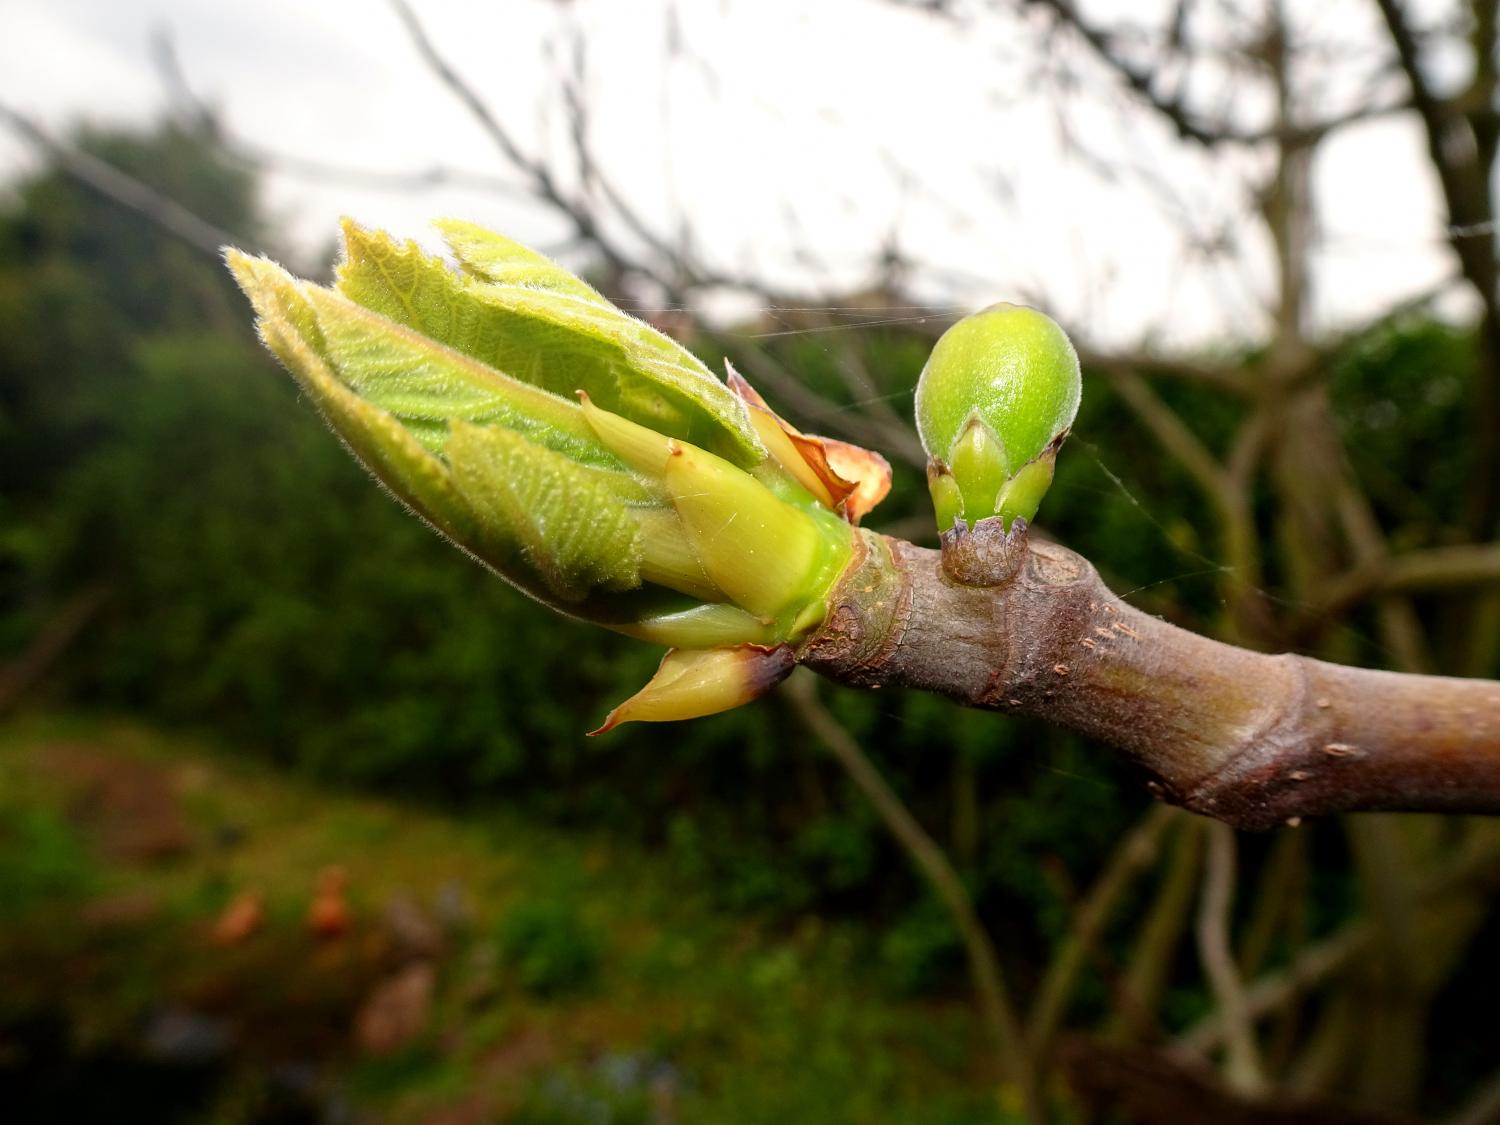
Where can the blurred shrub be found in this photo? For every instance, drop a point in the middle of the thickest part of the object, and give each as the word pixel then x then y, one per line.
pixel 549 947
pixel 1403 396
pixel 921 949
pixel 42 861
pixel 570 1097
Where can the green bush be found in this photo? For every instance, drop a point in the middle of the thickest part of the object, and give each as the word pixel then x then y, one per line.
pixel 42 861
pixel 549 947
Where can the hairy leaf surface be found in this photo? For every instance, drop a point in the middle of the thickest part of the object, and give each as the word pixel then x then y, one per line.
pixel 536 506
pixel 545 328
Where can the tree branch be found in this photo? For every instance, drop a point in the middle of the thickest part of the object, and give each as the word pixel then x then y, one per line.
pixel 1221 377
pixel 1139 80
pixel 543 183
pixel 1157 939
pixel 1215 914
pixel 584 216
pixel 1243 737
pixel 853 424
pixel 1135 854
pixel 933 865
pixel 1434 569
pixel 1174 436
pixel 1462 152
pixel 157 208
pixel 1313 964
pixel 1192 127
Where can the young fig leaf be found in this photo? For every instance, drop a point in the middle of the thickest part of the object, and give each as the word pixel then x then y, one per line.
pixel 492 257
pixel 587 459
pixel 538 511
pixel 557 337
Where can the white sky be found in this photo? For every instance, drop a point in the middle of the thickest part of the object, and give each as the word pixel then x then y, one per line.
pixel 778 138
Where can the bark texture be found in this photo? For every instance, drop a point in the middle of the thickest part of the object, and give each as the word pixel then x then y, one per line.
pixel 1244 737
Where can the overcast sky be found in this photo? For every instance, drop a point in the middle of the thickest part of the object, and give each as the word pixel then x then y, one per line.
pixel 795 139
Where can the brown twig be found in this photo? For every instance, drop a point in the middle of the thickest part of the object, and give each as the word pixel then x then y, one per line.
pixel 1135 854
pixel 537 173
pixel 1314 964
pixel 1415 572
pixel 158 208
pixel 1462 142
pixel 858 426
pixel 932 864
pixel 1228 490
pixel 1157 940
pixel 51 642
pixel 1215 908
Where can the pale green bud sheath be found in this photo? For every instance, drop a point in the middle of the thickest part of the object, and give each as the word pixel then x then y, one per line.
pixel 979 466
pixel 766 555
pixel 693 683
pixel 994 402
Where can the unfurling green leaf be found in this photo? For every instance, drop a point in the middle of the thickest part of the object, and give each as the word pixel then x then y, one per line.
pixel 426 385
pixel 558 337
pixel 492 257
pixel 289 328
pixel 588 459
pixel 564 520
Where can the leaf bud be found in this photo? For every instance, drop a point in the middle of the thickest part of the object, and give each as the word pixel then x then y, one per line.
pixel 993 405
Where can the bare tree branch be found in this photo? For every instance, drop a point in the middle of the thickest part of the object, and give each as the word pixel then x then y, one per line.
pixel 852 424
pixel 1174 436
pixel 1226 488
pixel 576 105
pixel 1214 920
pixel 928 858
pixel 1157 940
pixel 1433 570
pixel 1229 379
pixel 537 173
pixel 587 220
pixel 202 116
pixel 1135 855
pixel 1309 968
pixel 1139 80
pixel 1189 125
pixel 158 208
pixel 1463 151
pixel 1478 865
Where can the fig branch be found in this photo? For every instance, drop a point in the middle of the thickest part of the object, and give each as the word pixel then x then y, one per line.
pixel 602 469
pixel 1244 737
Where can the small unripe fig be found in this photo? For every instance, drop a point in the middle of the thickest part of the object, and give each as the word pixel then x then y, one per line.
pixel 993 404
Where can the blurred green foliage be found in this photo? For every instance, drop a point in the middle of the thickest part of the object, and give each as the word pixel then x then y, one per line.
pixel 549 947
pixel 692 1011
pixel 259 585
pixel 42 861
